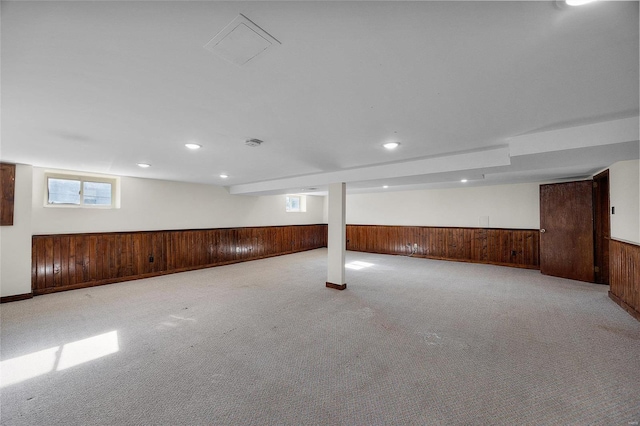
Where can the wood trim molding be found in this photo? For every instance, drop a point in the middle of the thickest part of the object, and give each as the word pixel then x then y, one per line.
pixel 627 243
pixel 441 227
pixel 181 230
pixel 15 297
pixel 337 286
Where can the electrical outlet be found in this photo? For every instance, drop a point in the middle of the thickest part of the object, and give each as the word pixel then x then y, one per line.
pixel 151 259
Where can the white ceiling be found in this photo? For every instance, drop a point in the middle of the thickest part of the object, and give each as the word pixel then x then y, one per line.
pixel 496 92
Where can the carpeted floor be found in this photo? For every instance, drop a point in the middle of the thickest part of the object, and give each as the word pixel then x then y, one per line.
pixel 411 341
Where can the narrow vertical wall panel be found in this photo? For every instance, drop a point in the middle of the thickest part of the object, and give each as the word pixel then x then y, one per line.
pixel 140 249
pixel 186 249
pixel 34 265
pixel 371 240
pixel 39 259
pixel 57 268
pixel 71 261
pixel 169 248
pixel 99 258
pixel 258 241
pixel 263 241
pixel 78 250
pixel 125 254
pixel 161 246
pixel 48 252
pixel 439 244
pixel 207 246
pixel 175 250
pixel 479 245
pixel 93 258
pixel 107 255
pixel 87 259
pixel 182 249
pixel 241 244
pixel 7 193
pixel 177 246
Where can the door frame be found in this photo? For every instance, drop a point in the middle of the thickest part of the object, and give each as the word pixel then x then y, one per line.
pixel 601 226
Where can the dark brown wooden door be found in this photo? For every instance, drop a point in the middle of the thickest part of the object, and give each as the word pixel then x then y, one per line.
pixel 566 227
pixel 602 224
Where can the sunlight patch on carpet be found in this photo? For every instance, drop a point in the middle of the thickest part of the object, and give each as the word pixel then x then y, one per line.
pixel 357 265
pixel 57 358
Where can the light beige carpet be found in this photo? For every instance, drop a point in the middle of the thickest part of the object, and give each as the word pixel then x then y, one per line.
pixel 411 341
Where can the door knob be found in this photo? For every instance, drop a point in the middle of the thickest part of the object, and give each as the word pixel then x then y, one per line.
pixel 543 230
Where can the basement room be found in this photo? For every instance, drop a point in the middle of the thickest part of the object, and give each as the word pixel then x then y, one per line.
pixel 320 213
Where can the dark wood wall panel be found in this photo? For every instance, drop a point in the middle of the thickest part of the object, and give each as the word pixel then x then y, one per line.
pixel 509 247
pixel 624 276
pixel 69 261
pixel 64 262
pixel 7 188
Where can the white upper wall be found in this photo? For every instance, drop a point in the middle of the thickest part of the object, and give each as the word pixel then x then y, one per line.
pixel 507 206
pixel 148 204
pixel 624 195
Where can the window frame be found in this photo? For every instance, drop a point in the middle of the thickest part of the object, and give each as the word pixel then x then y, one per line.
pixel 302 203
pixel 114 181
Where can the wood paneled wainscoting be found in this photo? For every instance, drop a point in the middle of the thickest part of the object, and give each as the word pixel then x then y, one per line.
pixel 70 261
pixel 624 276
pixel 507 247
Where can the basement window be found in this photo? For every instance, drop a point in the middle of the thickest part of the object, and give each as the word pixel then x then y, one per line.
pixel 296 203
pixel 80 191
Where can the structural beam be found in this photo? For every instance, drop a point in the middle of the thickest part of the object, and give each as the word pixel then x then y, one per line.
pixel 494 157
pixel 590 135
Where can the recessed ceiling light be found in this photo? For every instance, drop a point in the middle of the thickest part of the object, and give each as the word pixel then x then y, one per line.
pixel 578 2
pixel 193 145
pixel 464 181
pixel 253 142
pixel 223 176
pixel 391 145
pixel 144 165
pixel 386 186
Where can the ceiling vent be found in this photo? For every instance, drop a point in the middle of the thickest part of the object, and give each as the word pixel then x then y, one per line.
pixel 241 41
pixel 252 142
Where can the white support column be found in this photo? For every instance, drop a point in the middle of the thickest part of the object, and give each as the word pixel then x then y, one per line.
pixel 337 236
